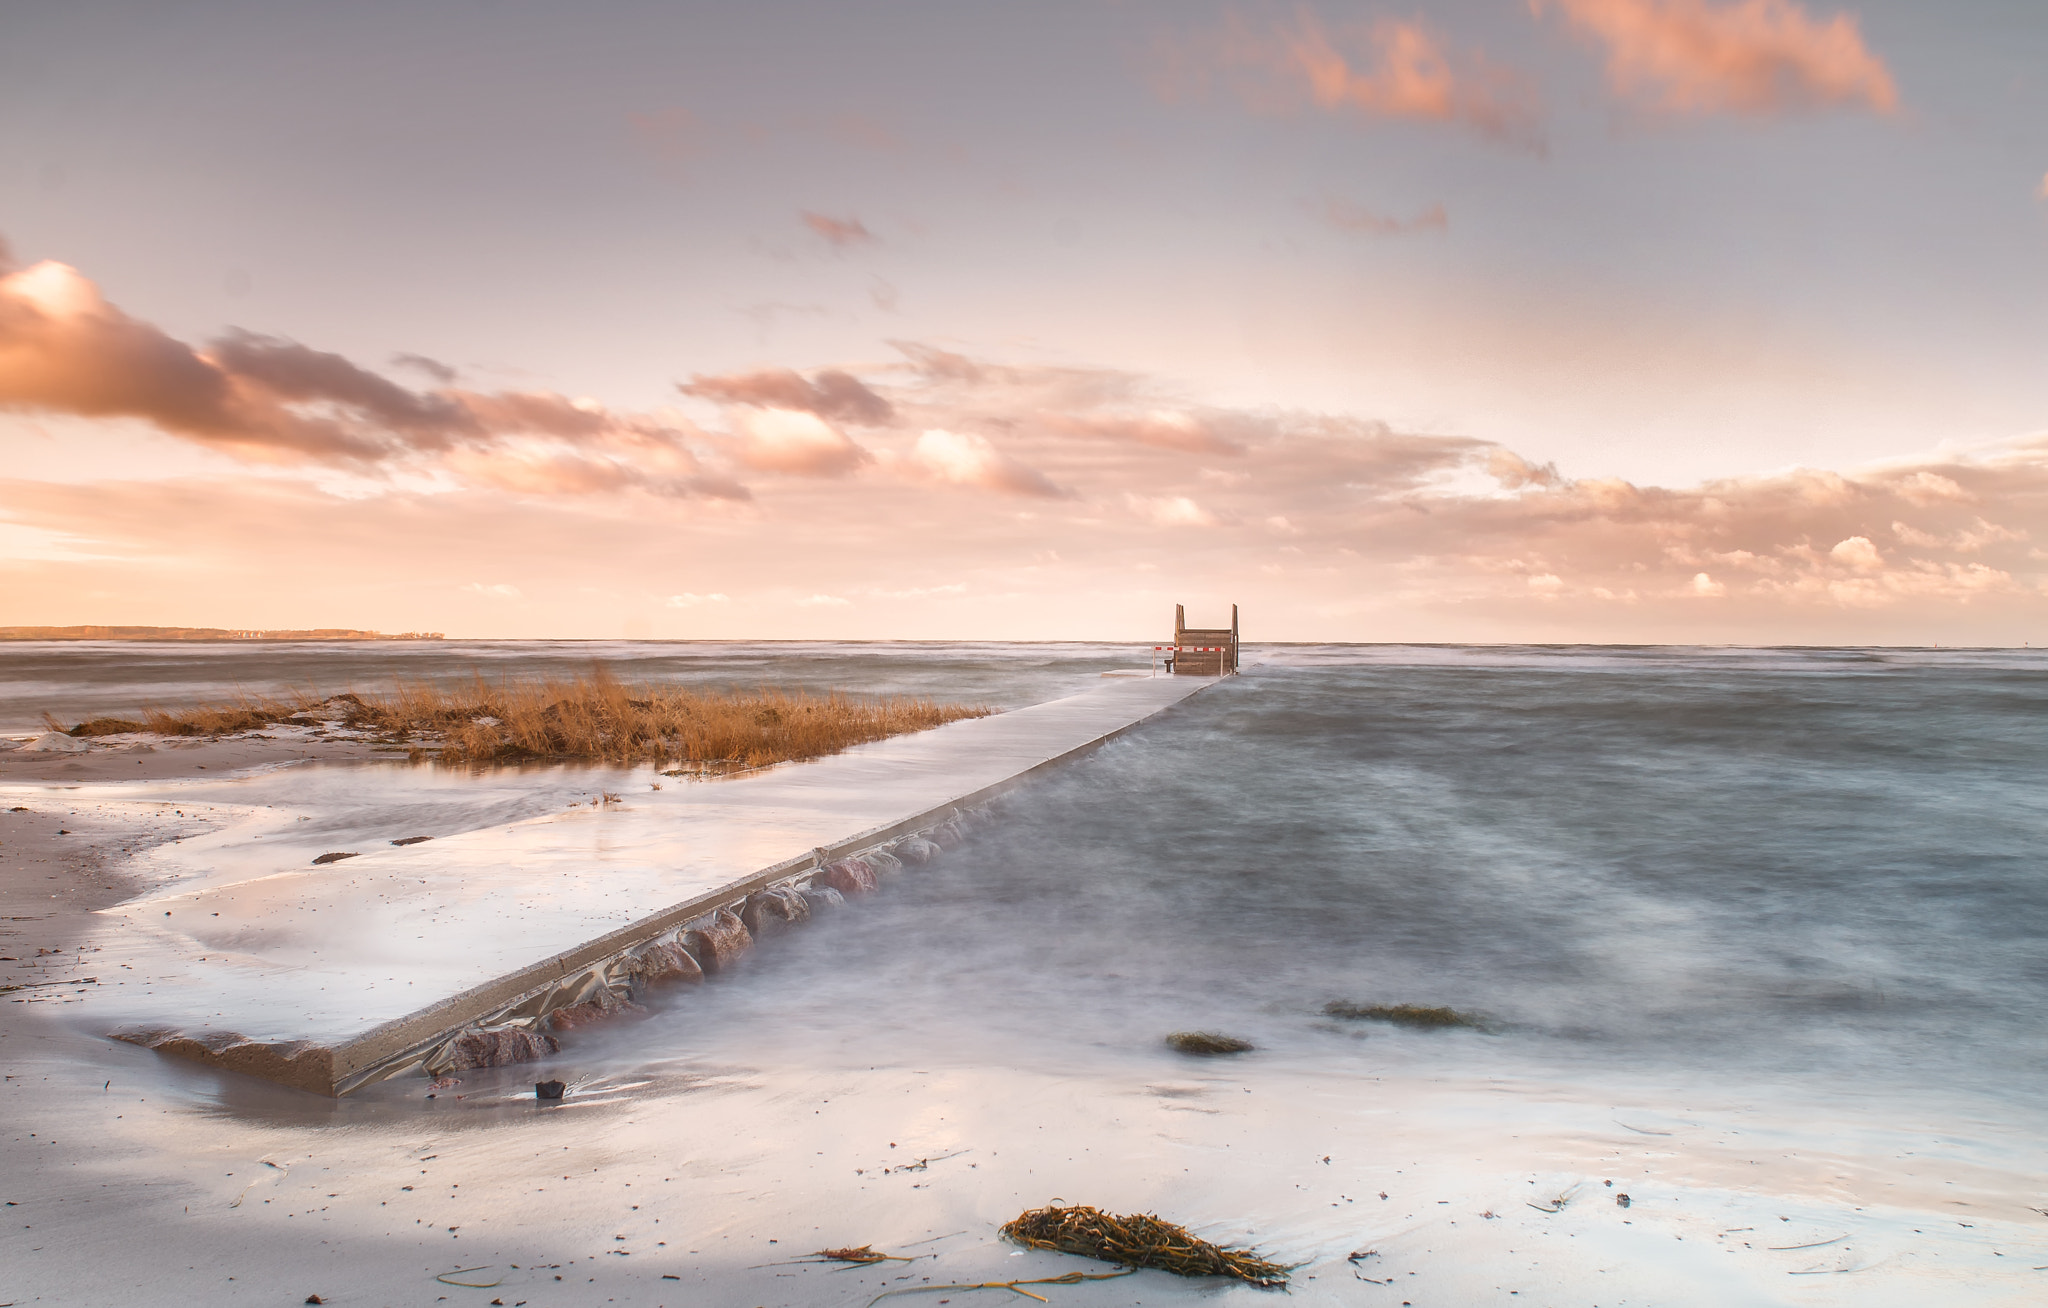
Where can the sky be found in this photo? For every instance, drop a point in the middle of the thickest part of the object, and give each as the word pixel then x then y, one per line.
pixel 1718 321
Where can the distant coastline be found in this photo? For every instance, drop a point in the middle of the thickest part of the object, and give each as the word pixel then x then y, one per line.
pixel 205 633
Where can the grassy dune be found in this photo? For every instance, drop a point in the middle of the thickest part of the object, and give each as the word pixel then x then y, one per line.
pixel 594 717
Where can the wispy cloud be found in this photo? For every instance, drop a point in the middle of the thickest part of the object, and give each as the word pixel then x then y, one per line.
pixel 828 393
pixel 501 590
pixel 1348 217
pixel 1391 69
pixel 839 233
pixel 1744 56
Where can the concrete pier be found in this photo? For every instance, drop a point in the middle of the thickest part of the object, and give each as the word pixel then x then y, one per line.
pixel 329 977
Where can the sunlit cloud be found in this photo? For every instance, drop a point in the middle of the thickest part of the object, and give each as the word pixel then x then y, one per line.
pixel 794 442
pixel 688 600
pixel 1389 69
pixel 65 349
pixel 1746 56
pixel 500 590
pixel 965 459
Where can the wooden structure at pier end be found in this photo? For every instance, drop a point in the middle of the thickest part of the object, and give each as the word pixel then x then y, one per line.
pixel 1203 651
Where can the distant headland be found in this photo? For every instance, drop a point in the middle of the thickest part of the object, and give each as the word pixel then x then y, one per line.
pixel 205 633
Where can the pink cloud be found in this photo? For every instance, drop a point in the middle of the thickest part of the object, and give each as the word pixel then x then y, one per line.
pixel 965 459
pixel 1389 69
pixel 840 233
pixel 828 393
pixel 1751 56
pixel 65 349
pixel 1348 217
pixel 797 443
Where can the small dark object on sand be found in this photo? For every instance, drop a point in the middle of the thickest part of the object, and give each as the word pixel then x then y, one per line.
pixel 864 1255
pixel 1401 1014
pixel 331 858
pixel 1622 1200
pixel 1207 1043
pixel 1139 1240
pixel 314 1298
pixel 548 1089
pixel 413 840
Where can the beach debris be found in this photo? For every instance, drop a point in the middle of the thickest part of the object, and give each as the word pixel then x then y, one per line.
pixel 1622 1201
pixel 314 1298
pixel 862 1255
pixel 1558 1204
pixel 775 909
pixel 1357 1259
pixel 915 850
pixel 1413 1015
pixel 330 858
pixel 443 1278
pixel 1071 1278
pixel 548 1089
pixel 412 840
pixel 848 876
pixel 1208 1044
pixel 499 1048
pixel 1138 1240
pixel 717 939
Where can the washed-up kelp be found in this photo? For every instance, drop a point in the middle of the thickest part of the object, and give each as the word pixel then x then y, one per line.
pixel 1140 1240
pixel 1207 1043
pixel 1402 1014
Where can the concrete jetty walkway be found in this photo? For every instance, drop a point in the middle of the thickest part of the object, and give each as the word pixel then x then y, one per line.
pixel 320 976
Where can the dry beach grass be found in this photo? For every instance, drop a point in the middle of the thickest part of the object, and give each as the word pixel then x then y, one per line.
pixel 593 717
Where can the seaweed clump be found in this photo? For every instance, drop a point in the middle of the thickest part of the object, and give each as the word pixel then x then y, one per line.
pixel 1403 1015
pixel 1140 1240
pixel 1207 1043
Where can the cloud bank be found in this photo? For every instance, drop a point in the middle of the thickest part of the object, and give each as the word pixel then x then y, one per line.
pixel 981 492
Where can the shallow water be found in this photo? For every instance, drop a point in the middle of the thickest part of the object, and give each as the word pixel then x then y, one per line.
pixel 1813 873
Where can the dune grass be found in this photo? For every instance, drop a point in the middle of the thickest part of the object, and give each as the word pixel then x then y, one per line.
pixel 594 717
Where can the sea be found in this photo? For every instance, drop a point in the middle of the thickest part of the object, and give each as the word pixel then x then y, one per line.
pixel 1687 891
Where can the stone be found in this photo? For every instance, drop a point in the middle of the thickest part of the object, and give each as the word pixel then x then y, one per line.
pixel 823 899
pixel 500 1048
pixel 915 850
pixel 717 940
pixel 600 1006
pixel 883 862
pixel 774 910
pixel 325 859
pixel 947 835
pixel 849 876
pixel 664 960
